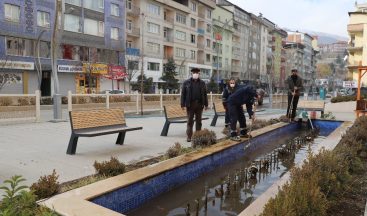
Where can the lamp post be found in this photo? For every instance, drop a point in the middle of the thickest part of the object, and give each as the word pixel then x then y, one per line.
pixel 270 79
pixel 38 61
pixel 142 65
pixel 57 32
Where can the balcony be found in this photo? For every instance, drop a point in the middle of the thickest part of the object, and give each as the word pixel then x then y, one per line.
pixel 223 25
pixel 216 65
pixel 133 31
pixel 236 43
pixel 352 48
pixel 236 68
pixel 169 20
pixel 133 51
pixel 201 45
pixel 169 39
pixel 355 28
pixel 132 10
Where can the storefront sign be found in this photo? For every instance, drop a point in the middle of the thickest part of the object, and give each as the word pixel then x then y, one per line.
pixel 17 65
pixel 70 68
pixel 349 84
pixel 95 68
pixel 116 72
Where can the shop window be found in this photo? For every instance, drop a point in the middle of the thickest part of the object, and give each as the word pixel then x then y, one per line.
pixel 152 66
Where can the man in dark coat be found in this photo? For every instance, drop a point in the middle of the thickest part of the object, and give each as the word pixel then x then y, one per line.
pixel 294 84
pixel 194 98
pixel 245 95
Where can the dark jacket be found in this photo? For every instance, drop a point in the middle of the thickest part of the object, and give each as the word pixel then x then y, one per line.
pixel 227 92
pixel 243 95
pixel 186 93
pixel 291 84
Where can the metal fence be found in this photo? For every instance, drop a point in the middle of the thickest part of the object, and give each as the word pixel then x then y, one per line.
pixel 20 107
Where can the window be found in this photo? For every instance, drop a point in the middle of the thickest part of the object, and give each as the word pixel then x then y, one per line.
pixel 74 2
pixel 153 9
pixel 97 5
pixel 208 28
pixel 208 13
pixel 72 23
pixel 129 44
pixel 129 4
pixel 133 65
pixel 180 52
pixel 45 49
pixel 193 23
pixel 153 47
pixel 152 66
pixel 153 28
pixel 208 43
pixel 115 10
pixel 114 33
pixel 193 6
pixel 129 25
pixel 12 12
pixel 208 57
pixel 193 38
pixel 193 54
pixel 180 18
pixel 43 19
pixel 19 46
pixel 180 35
pixel 93 27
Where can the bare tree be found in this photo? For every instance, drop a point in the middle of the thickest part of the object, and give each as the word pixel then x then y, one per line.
pixel 132 63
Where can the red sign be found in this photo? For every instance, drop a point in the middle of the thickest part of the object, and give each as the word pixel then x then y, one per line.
pixel 218 37
pixel 116 72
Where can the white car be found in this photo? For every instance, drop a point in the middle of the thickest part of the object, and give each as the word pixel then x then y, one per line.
pixel 113 91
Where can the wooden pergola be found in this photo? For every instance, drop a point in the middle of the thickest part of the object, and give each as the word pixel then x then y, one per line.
pixel 361 104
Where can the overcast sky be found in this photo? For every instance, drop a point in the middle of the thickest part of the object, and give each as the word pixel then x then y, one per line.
pixel 329 16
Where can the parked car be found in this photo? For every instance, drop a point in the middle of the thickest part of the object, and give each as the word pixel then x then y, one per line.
pixel 113 91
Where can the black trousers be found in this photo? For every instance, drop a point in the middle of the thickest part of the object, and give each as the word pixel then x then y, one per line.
pixel 295 103
pixel 236 114
pixel 195 110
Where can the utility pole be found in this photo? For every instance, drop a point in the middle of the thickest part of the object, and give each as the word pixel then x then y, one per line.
pixel 142 65
pixel 57 32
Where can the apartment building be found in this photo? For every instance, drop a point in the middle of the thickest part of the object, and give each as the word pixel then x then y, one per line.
pixel 240 39
pixel 294 57
pixel 90 44
pixel 278 40
pixel 180 29
pixel 267 57
pixel 357 49
pixel 222 58
pixel 254 48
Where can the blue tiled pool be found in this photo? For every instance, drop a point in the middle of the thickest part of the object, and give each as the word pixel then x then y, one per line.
pixel 131 197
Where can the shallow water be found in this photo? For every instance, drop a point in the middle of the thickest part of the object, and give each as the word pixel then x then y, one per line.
pixel 238 191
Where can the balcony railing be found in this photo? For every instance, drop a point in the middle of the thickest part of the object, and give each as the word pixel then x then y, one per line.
pixel 201 45
pixel 169 20
pixel 217 65
pixel 133 51
pixel 236 68
pixel 201 31
pixel 132 10
pixel 169 39
pixel 133 31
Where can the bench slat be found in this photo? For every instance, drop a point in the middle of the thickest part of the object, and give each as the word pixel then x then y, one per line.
pixel 175 111
pixel 219 108
pixel 97 118
pixel 97 132
pixel 316 105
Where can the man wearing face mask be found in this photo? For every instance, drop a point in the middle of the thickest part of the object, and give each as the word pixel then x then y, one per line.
pixel 294 83
pixel 231 87
pixel 194 98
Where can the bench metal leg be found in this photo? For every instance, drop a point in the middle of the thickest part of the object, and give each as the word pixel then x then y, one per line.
pixel 165 128
pixel 121 138
pixel 214 121
pixel 72 144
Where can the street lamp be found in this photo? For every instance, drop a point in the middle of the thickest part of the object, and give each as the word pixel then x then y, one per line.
pixel 142 65
pixel 38 61
pixel 270 79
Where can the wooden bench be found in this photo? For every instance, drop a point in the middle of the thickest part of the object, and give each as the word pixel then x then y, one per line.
pixel 218 111
pixel 174 114
pixel 96 123
pixel 361 107
pixel 312 105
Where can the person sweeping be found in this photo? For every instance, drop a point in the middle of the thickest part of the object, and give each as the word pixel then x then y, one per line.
pixel 294 84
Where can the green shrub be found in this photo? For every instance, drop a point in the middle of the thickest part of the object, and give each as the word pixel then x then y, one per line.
pixel 64 100
pixel 23 101
pixel 112 167
pixel 170 97
pixel 46 101
pixel 203 138
pixel 328 115
pixel 174 150
pixel 98 99
pixel 119 99
pixel 46 186
pixel 347 98
pixel 80 100
pixel 5 101
pixel 32 101
pixel 152 98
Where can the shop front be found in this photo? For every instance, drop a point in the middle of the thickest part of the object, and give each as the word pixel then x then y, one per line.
pixel 88 82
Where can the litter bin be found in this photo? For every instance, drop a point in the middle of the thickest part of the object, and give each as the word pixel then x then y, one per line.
pixel 322 94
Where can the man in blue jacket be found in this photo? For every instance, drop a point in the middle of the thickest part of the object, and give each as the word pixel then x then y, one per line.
pixel 244 95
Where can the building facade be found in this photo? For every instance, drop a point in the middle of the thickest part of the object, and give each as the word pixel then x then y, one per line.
pixel 357 49
pixel 90 44
pixel 157 30
pixel 279 37
pixel 254 48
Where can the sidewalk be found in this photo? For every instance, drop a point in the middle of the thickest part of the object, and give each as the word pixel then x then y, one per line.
pixel 35 149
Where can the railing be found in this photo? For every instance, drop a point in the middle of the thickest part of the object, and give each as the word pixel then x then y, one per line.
pixel 169 39
pixel 169 20
pixel 20 107
pixel 133 31
pixel 201 45
pixel 133 51
pixel 133 10
pixel 201 31
pixel 129 102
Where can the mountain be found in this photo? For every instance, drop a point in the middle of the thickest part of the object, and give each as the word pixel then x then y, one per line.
pixel 325 38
